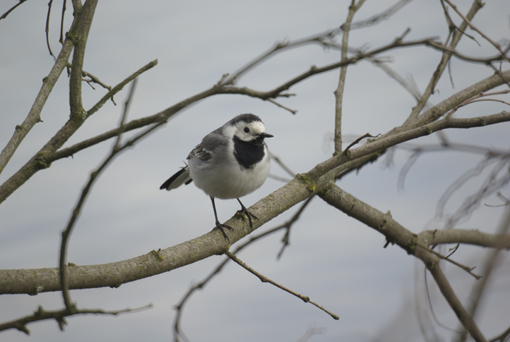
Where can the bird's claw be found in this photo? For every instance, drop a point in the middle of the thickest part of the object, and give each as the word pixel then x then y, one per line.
pixel 220 226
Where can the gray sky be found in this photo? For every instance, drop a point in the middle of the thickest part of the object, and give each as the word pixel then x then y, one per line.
pixel 336 261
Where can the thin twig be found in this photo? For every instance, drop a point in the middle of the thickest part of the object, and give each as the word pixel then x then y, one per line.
pixel 47 30
pixel 465 268
pixel 455 38
pixel 253 238
pixel 474 28
pixel 265 279
pixel 366 135
pixel 321 38
pixel 293 111
pixel 339 92
pixel 61 40
pixel 288 226
pixel 12 9
pixel 59 315
pixel 282 165
pixel 84 194
pixel 491 260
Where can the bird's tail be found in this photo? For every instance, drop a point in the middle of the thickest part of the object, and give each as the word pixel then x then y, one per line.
pixel 179 178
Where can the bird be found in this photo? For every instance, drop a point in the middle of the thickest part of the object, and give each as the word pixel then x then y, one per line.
pixel 230 162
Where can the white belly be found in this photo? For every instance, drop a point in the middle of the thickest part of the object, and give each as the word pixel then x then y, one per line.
pixel 222 181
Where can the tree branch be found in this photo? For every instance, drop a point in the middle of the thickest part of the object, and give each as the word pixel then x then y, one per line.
pixel 456 36
pixel 339 92
pixel 59 316
pixel 34 115
pixel 265 279
pixel 318 180
pixel 43 158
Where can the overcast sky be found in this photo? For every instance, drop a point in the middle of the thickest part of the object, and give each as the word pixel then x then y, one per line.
pixel 336 261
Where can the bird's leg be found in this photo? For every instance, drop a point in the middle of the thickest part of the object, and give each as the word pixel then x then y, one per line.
pixel 219 225
pixel 247 213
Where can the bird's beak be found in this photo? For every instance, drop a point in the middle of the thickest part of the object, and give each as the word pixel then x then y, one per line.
pixel 266 135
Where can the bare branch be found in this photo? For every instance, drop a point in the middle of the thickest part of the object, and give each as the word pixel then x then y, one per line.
pixel 92 78
pixel 467 236
pixel 456 36
pixel 452 299
pixel 474 28
pixel 339 92
pixel 440 256
pixel 61 39
pixel 47 30
pixel 379 17
pixel 488 267
pixel 33 116
pixel 265 279
pixel 12 9
pixel 200 285
pixel 59 316
pixel 322 38
pixel 40 161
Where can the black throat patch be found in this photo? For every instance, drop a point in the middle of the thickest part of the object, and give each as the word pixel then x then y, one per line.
pixel 248 153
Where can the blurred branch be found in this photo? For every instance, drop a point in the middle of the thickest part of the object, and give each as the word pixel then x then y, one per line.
pixel 446 146
pixel 387 141
pixel 397 234
pixel 310 332
pixel 445 58
pixel 474 28
pixel 265 279
pixel 454 302
pixel 490 263
pixel 379 17
pixel 503 337
pixel 495 180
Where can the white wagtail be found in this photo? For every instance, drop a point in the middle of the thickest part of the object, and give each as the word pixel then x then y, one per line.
pixel 230 162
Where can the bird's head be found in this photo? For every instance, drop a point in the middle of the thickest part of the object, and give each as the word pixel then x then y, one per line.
pixel 247 128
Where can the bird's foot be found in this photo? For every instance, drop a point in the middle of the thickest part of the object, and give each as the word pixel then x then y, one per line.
pixel 221 227
pixel 250 216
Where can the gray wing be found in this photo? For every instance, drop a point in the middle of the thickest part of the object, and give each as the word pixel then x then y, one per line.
pixel 212 143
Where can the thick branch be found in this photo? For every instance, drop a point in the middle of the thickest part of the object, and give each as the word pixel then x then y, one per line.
pixel 397 234
pixel 467 236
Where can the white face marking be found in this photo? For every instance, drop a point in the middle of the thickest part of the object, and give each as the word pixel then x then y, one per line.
pixel 248 131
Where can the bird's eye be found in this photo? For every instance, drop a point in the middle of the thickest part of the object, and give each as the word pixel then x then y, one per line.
pixel 246 130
